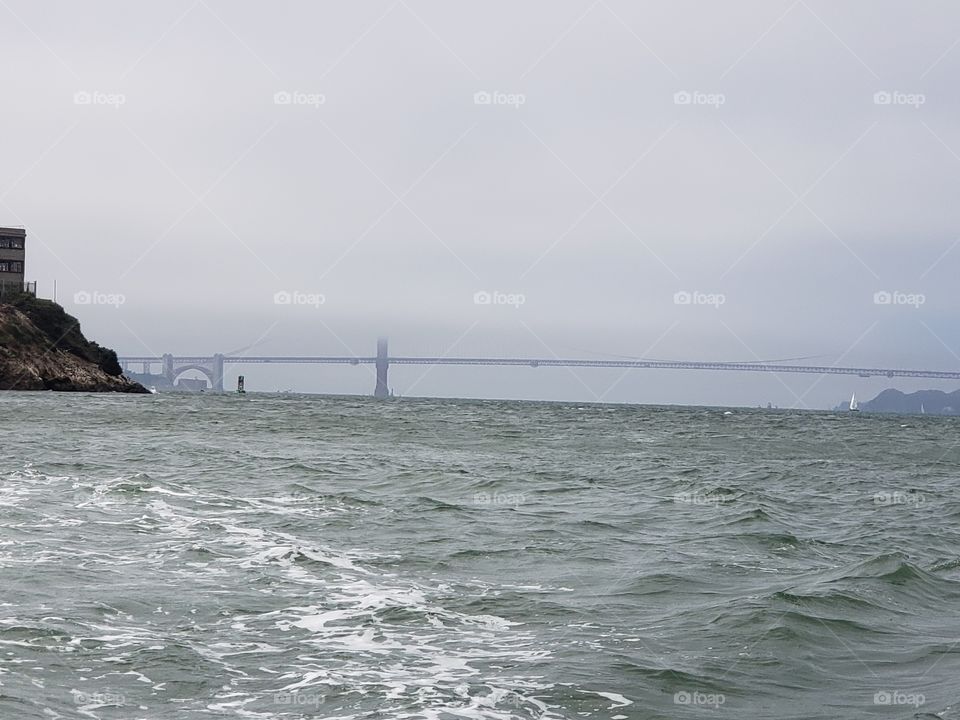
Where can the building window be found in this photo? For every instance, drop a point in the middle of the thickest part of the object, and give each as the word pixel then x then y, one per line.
pixel 11 242
pixel 16 266
pixel 4 266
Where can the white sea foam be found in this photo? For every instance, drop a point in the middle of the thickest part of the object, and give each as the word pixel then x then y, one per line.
pixel 167 491
pixel 349 630
pixel 434 664
pixel 618 700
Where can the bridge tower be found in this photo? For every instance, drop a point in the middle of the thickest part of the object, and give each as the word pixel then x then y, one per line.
pixel 218 372
pixel 168 367
pixel 383 365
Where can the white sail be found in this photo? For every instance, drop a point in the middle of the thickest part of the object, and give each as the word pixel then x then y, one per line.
pixel 854 405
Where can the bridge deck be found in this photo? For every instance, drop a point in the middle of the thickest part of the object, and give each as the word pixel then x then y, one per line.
pixel 562 362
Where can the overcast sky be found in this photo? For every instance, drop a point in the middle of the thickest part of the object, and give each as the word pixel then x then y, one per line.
pixel 776 163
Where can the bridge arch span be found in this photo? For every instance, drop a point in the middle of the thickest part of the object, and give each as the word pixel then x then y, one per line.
pixel 207 372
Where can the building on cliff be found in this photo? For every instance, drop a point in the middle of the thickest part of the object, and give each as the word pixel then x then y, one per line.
pixel 13 255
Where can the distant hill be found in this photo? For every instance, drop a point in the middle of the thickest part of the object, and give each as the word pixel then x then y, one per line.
pixel 933 402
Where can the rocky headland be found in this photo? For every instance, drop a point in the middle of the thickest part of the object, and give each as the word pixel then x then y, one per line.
pixel 42 348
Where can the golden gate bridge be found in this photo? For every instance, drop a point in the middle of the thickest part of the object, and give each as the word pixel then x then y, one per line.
pixel 212 366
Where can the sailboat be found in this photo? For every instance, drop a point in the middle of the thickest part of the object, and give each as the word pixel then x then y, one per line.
pixel 923 410
pixel 854 405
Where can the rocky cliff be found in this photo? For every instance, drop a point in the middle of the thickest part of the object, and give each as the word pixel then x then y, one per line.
pixel 42 348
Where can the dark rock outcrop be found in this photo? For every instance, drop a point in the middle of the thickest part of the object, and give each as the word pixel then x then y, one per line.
pixel 42 348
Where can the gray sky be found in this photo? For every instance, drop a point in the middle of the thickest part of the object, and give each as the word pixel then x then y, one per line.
pixel 196 158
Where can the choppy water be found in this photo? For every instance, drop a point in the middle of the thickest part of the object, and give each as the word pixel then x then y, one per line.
pixel 285 556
